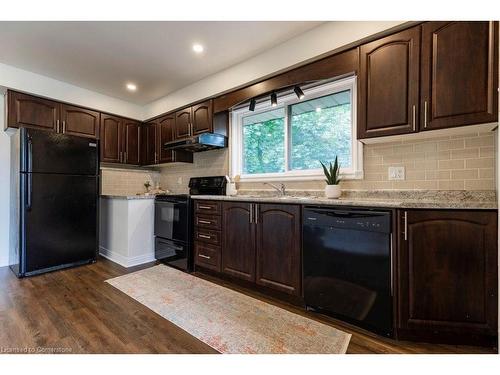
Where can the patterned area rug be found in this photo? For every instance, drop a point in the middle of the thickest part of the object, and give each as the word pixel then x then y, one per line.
pixel 228 321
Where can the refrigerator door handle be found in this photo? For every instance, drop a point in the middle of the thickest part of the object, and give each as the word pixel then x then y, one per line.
pixel 29 190
pixel 30 154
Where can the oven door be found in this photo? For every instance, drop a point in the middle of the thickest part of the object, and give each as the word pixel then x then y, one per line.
pixel 172 220
pixel 176 254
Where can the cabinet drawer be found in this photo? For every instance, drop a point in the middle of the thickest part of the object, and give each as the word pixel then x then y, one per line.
pixel 207 256
pixel 207 207
pixel 207 235
pixel 207 221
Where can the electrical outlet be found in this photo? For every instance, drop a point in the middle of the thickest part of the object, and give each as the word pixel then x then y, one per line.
pixel 179 181
pixel 396 173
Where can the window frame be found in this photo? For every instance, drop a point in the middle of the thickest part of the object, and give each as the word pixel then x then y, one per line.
pixel 285 101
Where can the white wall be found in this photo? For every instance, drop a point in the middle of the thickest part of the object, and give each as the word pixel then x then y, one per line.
pixel 37 84
pixel 4 189
pixel 321 40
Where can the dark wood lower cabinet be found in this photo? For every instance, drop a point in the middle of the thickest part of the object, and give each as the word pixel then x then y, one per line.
pixel 447 275
pixel 238 245
pixel 279 247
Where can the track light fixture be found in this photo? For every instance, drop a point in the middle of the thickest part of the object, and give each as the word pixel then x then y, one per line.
pixel 274 100
pixel 300 94
pixel 251 107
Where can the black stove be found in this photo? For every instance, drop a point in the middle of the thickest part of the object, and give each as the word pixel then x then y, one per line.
pixel 173 221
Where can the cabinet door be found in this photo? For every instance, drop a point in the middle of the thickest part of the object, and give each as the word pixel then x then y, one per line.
pixel 238 245
pixel 32 112
pixel 183 124
pixel 148 143
pixel 389 85
pixel 278 247
pixel 165 134
pixel 79 121
pixel 131 142
pixel 202 118
pixel 111 138
pixel 459 74
pixel 447 266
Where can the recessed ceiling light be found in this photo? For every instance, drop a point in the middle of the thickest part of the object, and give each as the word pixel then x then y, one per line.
pixel 318 109
pixel 131 87
pixel 198 48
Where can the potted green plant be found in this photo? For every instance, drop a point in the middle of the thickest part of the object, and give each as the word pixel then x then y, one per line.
pixel 332 188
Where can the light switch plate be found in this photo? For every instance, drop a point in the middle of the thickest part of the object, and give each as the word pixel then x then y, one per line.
pixel 179 181
pixel 396 173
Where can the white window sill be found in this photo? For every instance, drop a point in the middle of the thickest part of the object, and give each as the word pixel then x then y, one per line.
pixel 297 177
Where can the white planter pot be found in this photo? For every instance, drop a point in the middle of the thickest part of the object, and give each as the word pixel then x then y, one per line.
pixel 333 191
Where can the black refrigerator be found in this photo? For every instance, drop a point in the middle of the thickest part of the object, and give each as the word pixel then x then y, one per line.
pixel 54 203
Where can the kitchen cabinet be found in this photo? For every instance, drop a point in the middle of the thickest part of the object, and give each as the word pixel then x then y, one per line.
pixel 239 241
pixel 119 140
pixel 279 247
pixel 459 74
pixel 79 121
pixel 202 118
pixel 38 113
pixel 452 82
pixel 182 124
pixel 111 139
pixel 166 126
pixel 131 142
pixel 193 120
pixel 389 85
pixel 207 235
pixel 32 112
pixel 148 143
pixel 261 243
pixel 447 275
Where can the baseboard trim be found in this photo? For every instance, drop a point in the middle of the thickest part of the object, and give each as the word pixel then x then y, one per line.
pixel 123 260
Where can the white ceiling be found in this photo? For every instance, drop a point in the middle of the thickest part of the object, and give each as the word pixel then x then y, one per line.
pixel 157 56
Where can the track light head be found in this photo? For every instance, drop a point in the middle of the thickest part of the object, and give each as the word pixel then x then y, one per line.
pixel 251 107
pixel 298 91
pixel 274 100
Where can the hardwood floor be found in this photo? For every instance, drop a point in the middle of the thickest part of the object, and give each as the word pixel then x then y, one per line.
pixel 75 311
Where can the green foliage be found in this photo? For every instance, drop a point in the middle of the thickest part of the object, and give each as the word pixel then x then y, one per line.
pixel 314 136
pixel 332 173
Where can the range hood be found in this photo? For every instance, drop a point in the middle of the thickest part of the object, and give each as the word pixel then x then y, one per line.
pixel 202 142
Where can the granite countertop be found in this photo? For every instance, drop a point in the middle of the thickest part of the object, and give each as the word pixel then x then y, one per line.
pixel 128 197
pixel 389 199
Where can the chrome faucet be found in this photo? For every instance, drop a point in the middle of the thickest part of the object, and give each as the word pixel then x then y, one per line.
pixel 281 189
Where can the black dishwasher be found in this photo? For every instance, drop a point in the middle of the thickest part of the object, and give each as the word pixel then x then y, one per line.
pixel 347 265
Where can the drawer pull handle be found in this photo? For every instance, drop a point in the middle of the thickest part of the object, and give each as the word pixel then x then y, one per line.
pixel 204 236
pixel 204 222
pixel 205 207
pixel 204 256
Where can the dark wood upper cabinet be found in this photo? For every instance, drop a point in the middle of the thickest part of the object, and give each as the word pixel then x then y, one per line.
pixel 279 247
pixel 202 118
pixel 459 77
pixel 111 139
pixel 131 142
pixel 238 240
pixel 32 112
pixel 389 85
pixel 166 126
pixel 183 123
pixel 148 143
pixel 79 121
pixel 447 267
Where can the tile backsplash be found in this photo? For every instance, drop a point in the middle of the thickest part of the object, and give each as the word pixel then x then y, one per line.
pixel 465 162
pixel 175 177
pixel 126 181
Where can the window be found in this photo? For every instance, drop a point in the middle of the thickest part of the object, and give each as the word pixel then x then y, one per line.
pixel 288 141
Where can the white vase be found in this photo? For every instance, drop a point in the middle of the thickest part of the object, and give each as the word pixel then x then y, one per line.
pixel 333 191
